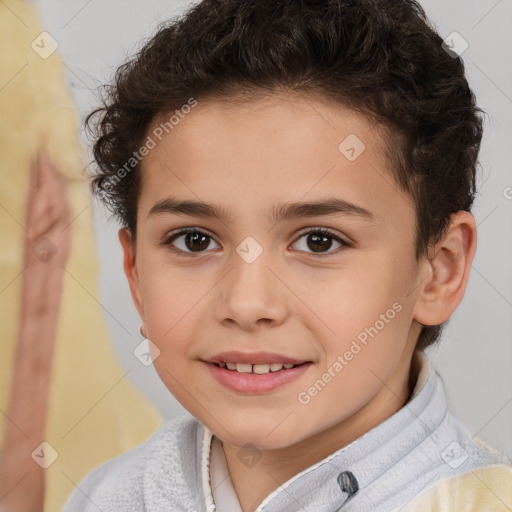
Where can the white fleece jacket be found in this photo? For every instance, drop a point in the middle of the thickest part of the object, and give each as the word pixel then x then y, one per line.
pixel 420 459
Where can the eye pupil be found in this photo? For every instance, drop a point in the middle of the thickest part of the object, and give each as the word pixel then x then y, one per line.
pixel 318 238
pixel 192 238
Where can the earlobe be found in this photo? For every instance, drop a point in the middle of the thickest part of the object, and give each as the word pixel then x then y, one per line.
pixel 449 265
pixel 130 267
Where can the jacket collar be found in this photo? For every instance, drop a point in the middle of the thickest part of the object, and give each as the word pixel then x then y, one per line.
pixel 337 478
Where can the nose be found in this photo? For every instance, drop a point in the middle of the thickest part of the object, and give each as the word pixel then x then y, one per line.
pixel 252 294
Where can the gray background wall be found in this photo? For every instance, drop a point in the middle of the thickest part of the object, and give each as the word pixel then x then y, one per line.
pixel 475 355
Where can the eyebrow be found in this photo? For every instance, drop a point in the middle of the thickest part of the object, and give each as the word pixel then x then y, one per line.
pixel 279 212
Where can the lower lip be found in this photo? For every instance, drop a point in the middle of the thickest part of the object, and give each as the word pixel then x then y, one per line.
pixel 256 383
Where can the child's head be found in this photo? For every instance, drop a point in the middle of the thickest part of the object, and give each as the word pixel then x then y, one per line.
pixel 250 105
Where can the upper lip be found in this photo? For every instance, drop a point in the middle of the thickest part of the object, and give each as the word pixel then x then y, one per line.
pixel 235 356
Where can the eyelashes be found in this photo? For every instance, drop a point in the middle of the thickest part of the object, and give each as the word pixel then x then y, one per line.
pixel 201 239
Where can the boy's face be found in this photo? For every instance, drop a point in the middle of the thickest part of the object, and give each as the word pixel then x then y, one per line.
pixel 348 310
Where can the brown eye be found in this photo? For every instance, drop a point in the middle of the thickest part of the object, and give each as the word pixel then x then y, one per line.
pixel 188 241
pixel 320 241
pixel 196 241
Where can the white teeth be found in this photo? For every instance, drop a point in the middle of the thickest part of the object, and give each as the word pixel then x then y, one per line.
pixel 256 368
pixel 243 368
pixel 261 368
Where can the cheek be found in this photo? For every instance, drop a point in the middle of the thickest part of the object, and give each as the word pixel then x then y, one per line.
pixel 363 314
pixel 171 320
pixel 352 298
pixel 169 294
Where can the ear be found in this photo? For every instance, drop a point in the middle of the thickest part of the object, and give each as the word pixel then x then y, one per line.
pixel 447 269
pixel 130 268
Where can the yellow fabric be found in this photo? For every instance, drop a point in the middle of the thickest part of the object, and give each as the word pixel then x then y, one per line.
pixel 483 490
pixel 94 412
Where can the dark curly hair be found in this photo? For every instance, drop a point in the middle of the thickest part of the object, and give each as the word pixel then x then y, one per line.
pixel 380 58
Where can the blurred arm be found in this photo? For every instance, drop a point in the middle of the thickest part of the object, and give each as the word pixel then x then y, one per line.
pixel 47 247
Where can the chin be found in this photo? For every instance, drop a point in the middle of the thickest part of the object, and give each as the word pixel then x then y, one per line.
pixel 260 435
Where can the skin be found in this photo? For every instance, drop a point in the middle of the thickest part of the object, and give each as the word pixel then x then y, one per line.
pixel 248 157
pixel 22 481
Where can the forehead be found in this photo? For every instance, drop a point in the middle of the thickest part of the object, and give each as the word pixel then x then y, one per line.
pixel 299 122
pixel 280 147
